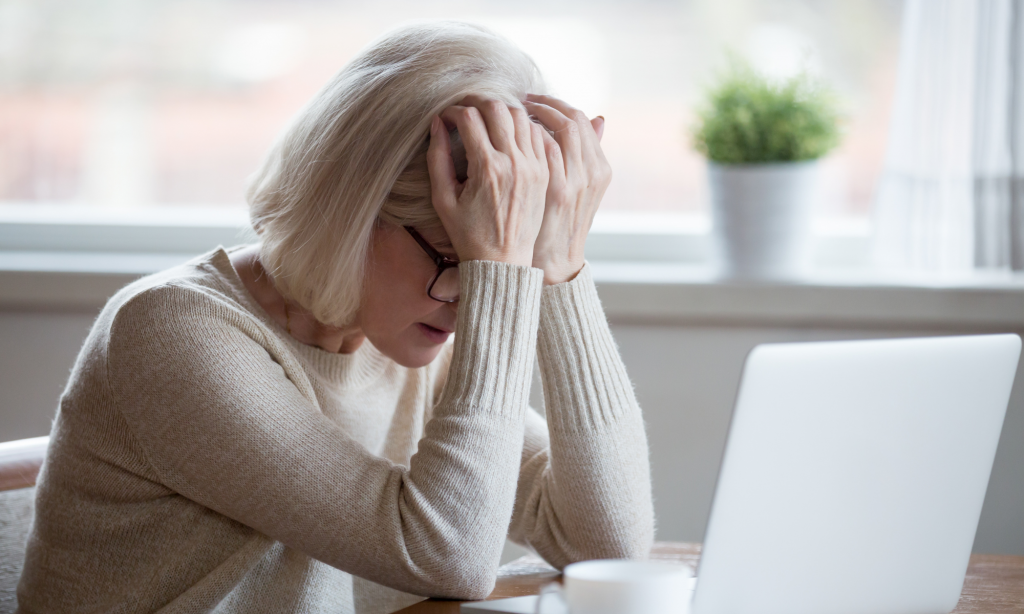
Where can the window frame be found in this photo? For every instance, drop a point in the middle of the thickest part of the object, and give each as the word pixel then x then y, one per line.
pixel 616 236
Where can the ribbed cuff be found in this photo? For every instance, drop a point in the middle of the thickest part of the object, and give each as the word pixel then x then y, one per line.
pixel 495 338
pixel 585 383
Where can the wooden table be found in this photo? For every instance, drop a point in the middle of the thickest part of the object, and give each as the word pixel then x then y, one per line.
pixel 994 584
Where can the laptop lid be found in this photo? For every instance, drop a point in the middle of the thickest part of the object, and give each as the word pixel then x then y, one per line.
pixel 854 475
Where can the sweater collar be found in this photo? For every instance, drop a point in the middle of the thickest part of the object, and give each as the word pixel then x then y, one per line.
pixel 354 370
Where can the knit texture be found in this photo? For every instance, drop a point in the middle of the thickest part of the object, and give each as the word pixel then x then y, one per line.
pixel 203 460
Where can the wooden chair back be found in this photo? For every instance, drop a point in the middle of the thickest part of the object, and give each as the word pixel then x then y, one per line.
pixel 19 466
pixel 20 462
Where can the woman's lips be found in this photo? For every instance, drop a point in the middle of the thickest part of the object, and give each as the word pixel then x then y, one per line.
pixel 436 335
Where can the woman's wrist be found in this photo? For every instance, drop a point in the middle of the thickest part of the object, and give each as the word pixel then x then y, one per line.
pixel 520 258
pixel 559 272
pixel 560 278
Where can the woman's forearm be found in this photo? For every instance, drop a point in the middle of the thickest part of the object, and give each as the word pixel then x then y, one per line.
pixel 588 495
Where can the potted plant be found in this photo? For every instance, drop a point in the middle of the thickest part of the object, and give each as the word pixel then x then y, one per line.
pixel 763 140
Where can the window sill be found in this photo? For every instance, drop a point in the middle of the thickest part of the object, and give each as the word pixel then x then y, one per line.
pixel 647 266
pixel 632 292
pixel 72 281
pixel 828 297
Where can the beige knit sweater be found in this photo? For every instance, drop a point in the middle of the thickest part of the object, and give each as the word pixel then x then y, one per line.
pixel 204 460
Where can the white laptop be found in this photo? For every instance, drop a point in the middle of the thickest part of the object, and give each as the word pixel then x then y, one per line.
pixel 853 477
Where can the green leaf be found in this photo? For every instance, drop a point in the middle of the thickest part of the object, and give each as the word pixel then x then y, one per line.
pixel 747 118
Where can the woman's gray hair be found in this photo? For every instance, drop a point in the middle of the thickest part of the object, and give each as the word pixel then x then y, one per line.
pixel 356 154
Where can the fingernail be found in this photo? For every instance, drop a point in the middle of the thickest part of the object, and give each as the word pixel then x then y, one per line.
pixel 602 118
pixel 434 121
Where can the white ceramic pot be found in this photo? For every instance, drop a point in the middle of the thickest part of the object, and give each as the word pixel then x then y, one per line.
pixel 761 219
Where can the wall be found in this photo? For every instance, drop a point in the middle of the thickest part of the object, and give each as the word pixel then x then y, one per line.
pixel 37 350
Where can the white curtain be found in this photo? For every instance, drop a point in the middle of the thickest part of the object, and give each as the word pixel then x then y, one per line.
pixel 951 196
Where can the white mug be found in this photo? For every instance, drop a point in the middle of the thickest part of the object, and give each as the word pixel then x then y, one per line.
pixel 619 587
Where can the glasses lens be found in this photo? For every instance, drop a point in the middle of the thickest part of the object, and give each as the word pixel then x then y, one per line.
pixel 446 288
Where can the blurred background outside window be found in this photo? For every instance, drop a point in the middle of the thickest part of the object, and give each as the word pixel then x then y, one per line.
pixel 169 104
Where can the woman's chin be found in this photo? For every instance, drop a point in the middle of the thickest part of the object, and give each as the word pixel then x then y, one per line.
pixel 414 356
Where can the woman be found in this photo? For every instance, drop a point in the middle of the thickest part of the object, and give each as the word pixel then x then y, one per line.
pixel 288 427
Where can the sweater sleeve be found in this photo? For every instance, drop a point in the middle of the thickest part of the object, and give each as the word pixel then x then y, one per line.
pixel 584 487
pixel 221 422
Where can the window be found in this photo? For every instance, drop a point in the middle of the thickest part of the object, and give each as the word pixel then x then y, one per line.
pixel 131 104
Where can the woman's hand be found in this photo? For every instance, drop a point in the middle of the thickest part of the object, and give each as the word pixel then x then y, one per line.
pixel 497 212
pixel 579 176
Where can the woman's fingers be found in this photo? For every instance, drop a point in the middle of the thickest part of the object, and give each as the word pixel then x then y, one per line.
pixel 537 135
pixel 598 124
pixel 498 119
pixel 470 125
pixel 572 113
pixel 556 165
pixel 523 131
pixel 553 119
pixel 566 133
pixel 562 106
pixel 441 167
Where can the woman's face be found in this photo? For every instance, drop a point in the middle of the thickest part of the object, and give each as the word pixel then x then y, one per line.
pixel 396 314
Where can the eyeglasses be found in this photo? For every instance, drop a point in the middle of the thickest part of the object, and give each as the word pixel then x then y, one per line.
pixel 444 285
